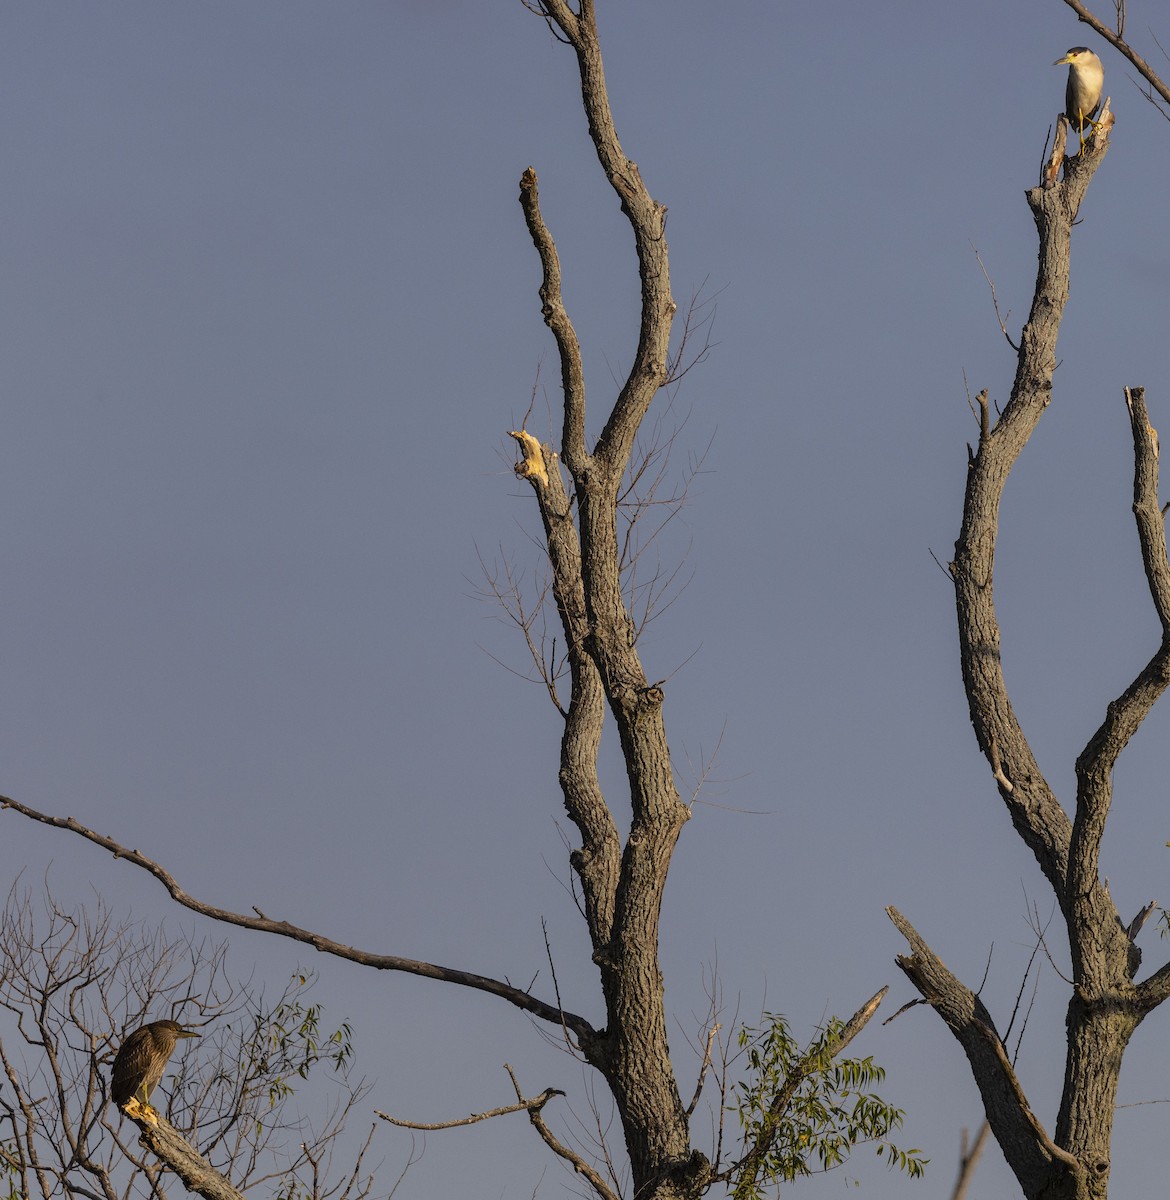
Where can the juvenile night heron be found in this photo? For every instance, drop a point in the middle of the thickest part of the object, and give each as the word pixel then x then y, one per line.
pixel 140 1063
pixel 1082 95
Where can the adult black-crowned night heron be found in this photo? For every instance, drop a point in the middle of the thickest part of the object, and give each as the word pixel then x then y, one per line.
pixel 140 1063
pixel 1082 95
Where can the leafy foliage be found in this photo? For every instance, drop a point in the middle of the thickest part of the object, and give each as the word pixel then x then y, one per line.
pixel 801 1110
pixel 287 1042
pixel 9 1170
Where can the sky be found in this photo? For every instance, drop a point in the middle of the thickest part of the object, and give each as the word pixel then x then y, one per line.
pixel 268 312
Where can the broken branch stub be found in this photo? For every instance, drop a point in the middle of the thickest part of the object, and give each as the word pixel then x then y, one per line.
pixel 531 466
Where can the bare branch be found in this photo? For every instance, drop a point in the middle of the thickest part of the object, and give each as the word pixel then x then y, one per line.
pixel 382 962
pixel 1035 810
pixel 700 318
pixel 1147 510
pixel 505 590
pixel 650 368
pixel 711 1034
pixel 503 1111
pixel 968 1158
pixel 995 304
pixel 1143 915
pixel 1154 990
pixel 557 1147
pixel 1125 714
pixel 1033 1156
pixel 557 319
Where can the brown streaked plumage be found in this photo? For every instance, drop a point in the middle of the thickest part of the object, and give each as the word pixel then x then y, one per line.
pixel 140 1063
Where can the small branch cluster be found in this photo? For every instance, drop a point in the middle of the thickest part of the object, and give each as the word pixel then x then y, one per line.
pixel 73 983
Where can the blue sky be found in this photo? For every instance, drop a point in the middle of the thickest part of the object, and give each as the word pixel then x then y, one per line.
pixel 268 311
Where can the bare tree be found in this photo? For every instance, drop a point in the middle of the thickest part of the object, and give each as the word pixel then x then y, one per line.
pixel 801 1106
pixel 74 981
pixel 1107 1001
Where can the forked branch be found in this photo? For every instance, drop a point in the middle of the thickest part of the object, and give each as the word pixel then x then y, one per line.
pixel 1031 1153
pixel 579 1164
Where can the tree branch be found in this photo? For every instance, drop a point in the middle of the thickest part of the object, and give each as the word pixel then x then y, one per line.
pixel 650 367
pixel 1151 992
pixel 383 962
pixel 1118 43
pixel 711 1035
pixel 1125 714
pixel 555 1145
pixel 1035 811
pixel 460 1122
pixel 196 1173
pixel 969 1154
pixel 1032 1155
pixel 557 319
pixel 1147 509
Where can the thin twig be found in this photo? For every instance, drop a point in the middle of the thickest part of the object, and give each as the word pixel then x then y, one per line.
pixel 502 1111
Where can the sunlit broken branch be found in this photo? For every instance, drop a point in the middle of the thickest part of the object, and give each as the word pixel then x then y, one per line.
pixel 531 465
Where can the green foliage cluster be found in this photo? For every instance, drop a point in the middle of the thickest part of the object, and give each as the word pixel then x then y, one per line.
pixel 287 1042
pixel 10 1171
pixel 802 1110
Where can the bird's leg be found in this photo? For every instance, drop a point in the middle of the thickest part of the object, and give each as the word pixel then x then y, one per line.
pixel 1091 122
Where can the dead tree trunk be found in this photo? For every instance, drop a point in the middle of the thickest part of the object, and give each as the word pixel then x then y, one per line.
pixel 1106 1004
pixel 622 885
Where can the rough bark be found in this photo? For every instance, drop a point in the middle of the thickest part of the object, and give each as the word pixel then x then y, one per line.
pixel 622 884
pixel 198 1176
pixel 1106 1005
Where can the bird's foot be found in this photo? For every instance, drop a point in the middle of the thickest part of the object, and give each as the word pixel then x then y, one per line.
pixel 137 1111
pixel 1088 129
